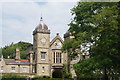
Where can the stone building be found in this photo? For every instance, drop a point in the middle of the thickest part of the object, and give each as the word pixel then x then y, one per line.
pixel 43 58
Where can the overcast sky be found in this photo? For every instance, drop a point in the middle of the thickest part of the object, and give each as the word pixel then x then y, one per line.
pixel 19 19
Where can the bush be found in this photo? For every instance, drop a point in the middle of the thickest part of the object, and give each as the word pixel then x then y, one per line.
pixel 13 77
pixel 68 75
pixel 51 79
pixel 44 77
pixel 39 77
pixel 65 73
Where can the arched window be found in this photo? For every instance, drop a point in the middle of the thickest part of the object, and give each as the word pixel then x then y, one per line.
pixel 43 69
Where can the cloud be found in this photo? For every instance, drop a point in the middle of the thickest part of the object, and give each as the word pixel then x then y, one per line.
pixel 19 19
pixel 38 0
pixel 0 23
pixel 59 0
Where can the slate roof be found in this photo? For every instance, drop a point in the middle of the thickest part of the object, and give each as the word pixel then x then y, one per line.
pixel 42 25
pixel 16 61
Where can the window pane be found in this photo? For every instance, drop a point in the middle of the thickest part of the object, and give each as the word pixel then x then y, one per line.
pixel 1 68
pixel 43 55
pixel 54 57
pixel 43 69
pixel 60 58
pixel 24 69
pixel 57 57
pixel 12 69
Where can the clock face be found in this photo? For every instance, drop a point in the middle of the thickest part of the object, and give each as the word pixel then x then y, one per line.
pixel 43 40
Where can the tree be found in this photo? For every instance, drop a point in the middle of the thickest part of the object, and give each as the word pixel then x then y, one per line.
pixel 97 24
pixel 68 47
pixel 10 50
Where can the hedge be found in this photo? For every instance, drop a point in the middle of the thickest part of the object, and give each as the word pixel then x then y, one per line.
pixel 52 79
pixel 18 77
pixel 13 77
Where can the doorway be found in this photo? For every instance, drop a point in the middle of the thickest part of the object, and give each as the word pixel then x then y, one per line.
pixel 57 73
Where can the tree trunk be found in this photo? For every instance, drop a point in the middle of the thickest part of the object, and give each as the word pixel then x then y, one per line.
pixel 68 62
pixel 105 74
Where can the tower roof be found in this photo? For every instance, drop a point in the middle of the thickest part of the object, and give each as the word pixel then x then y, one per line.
pixel 42 25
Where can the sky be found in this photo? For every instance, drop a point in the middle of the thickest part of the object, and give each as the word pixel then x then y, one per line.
pixel 19 19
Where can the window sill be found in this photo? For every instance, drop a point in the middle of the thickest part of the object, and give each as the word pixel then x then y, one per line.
pixel 13 71
pixel 43 59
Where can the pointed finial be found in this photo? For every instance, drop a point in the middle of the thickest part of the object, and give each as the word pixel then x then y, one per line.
pixel 41 19
pixel 57 33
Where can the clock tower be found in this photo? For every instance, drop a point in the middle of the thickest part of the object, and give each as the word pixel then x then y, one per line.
pixel 41 43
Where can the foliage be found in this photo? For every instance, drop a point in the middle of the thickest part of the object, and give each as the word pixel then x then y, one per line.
pixel 92 67
pixel 17 77
pixel 10 50
pixel 13 77
pixel 68 75
pixel 51 79
pixel 43 76
pixel 97 25
pixel 69 46
pixel 65 73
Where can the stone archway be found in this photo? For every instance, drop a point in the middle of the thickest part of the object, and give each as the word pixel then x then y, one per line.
pixel 57 73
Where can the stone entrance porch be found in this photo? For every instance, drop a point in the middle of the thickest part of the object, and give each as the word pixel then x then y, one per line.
pixel 57 71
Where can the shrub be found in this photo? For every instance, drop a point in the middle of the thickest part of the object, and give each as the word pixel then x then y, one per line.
pixel 38 77
pixel 68 75
pixel 13 77
pixel 51 79
pixel 65 73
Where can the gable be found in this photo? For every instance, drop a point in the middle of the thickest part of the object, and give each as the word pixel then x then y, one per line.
pixel 56 43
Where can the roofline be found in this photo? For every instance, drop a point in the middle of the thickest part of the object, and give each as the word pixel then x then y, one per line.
pixel 17 63
pixel 54 39
pixel 17 60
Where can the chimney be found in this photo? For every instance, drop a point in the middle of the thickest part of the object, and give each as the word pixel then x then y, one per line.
pixel 17 54
pixel 30 51
pixel 1 57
